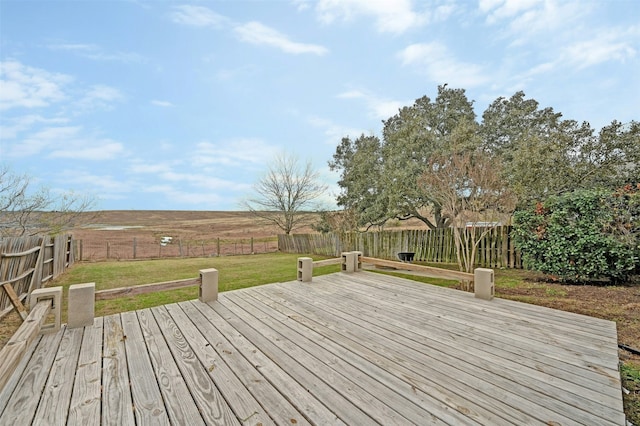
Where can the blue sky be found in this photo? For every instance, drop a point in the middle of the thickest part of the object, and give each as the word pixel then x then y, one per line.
pixel 181 106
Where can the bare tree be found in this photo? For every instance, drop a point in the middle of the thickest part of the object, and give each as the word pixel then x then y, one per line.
pixel 28 211
pixel 286 195
pixel 472 195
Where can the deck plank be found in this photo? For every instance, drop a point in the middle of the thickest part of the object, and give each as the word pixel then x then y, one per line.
pixel 358 348
pixel 518 365
pixel 241 401
pixel 213 408
pixel 382 390
pixel 298 394
pixel 147 401
pixel 117 404
pixel 345 410
pixel 441 394
pixel 351 383
pixel 181 407
pixel 278 407
pixel 54 404
pixel 22 405
pixel 84 408
pixel 458 364
pixel 10 386
pixel 590 398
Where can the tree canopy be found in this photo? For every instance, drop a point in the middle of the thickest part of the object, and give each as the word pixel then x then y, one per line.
pixel 537 154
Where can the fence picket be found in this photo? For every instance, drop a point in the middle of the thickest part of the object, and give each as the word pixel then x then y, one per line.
pixel 494 250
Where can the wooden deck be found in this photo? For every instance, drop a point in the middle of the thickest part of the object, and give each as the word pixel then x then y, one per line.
pixel 356 349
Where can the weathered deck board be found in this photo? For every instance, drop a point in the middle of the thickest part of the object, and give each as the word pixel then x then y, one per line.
pixel 22 405
pixel 84 408
pixel 54 404
pixel 180 405
pixel 211 404
pixel 147 402
pixel 117 404
pixel 359 348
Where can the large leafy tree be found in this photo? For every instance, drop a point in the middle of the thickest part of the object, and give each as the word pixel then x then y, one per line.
pixel 611 159
pixel 541 154
pixel 536 146
pixel 361 180
pixel 411 138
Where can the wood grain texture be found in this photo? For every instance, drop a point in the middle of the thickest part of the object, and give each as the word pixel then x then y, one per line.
pixel 213 408
pixel 23 403
pixel 179 404
pixel 117 405
pixel 84 408
pixel 148 406
pixel 54 403
pixel 357 348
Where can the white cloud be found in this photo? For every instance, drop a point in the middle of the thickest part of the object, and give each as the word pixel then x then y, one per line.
pixel 439 64
pixel 66 142
pixel 94 150
pixel 391 16
pixel 335 132
pixel 378 108
pixel 23 123
pixel 164 104
pixel 29 87
pixel 99 97
pixel 42 140
pixel 197 16
pixel 236 152
pixel 609 45
pixel 95 52
pixel 259 34
pixel 529 20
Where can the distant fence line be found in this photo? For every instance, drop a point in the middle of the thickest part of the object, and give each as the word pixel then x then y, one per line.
pixel 495 250
pixel 27 263
pixel 105 249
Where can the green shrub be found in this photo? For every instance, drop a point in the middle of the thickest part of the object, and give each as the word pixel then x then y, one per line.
pixel 582 236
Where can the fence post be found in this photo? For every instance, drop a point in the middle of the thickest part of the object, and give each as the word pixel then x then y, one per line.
pixel 218 247
pixel 108 250
pixel 55 294
pixel 82 302
pixel 135 246
pixel 208 291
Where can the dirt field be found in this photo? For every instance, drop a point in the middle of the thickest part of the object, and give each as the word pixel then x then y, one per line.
pixel 121 234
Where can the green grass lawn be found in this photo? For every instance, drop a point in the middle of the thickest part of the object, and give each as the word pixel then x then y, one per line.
pixel 235 272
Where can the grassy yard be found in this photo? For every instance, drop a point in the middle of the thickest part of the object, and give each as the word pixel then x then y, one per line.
pixel 620 304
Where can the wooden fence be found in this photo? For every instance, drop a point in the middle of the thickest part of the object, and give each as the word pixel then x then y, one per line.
pixel 495 250
pixel 140 248
pixel 27 263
